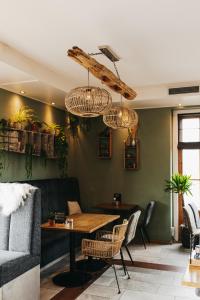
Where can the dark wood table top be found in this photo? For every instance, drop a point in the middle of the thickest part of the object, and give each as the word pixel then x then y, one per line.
pixel 83 223
pixel 120 207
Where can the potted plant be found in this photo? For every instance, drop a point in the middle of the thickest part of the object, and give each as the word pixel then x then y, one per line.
pixel 51 219
pixel 52 128
pixel 23 117
pixel 3 124
pixel 179 184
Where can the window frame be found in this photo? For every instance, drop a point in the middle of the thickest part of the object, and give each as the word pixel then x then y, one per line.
pixel 176 162
pixel 187 145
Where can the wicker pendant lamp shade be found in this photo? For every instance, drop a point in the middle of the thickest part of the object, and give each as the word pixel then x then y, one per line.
pixel 120 117
pixel 88 101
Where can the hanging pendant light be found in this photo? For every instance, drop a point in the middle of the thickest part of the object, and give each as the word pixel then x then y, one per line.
pixel 88 101
pixel 120 117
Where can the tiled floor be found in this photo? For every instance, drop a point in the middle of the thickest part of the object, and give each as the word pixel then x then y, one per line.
pixel 144 284
pixel 160 254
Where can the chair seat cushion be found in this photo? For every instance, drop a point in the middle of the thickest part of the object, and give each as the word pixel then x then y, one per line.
pixel 73 208
pixel 13 264
pixel 107 252
pixel 6 256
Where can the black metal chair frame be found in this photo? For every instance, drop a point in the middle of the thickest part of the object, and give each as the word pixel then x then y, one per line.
pixel 147 218
pixel 125 245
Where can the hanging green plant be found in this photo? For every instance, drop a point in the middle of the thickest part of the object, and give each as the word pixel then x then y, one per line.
pixel 73 123
pixel 61 150
pixel 2 162
pixel 43 157
pixel 29 160
pixel 3 128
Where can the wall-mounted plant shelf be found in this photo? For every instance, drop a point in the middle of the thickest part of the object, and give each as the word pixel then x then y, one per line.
pixel 131 156
pixel 105 144
pixel 16 140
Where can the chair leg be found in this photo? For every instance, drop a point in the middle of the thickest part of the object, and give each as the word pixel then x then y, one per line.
pixel 122 259
pixel 142 236
pixel 146 234
pixel 129 254
pixel 127 272
pixel 193 242
pixel 116 277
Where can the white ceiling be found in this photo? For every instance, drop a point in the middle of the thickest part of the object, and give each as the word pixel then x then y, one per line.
pixel 158 41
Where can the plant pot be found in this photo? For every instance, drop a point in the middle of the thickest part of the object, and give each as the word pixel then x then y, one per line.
pixel 51 222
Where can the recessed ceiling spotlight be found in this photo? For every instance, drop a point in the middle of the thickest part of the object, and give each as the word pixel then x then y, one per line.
pixel 180 104
pixel 22 92
pixel 53 103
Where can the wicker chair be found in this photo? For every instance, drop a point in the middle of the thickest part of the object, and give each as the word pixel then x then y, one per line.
pixel 129 236
pixel 108 248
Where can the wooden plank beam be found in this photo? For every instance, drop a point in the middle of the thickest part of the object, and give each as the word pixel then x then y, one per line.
pixel 101 72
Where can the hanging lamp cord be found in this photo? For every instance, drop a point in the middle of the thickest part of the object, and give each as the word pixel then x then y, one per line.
pixel 117 72
pixel 88 77
pixel 116 69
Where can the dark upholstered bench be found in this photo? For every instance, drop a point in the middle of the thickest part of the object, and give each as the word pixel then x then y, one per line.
pixel 54 196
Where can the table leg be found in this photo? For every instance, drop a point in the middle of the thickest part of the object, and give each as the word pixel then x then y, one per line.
pixel 72 278
pixel 72 251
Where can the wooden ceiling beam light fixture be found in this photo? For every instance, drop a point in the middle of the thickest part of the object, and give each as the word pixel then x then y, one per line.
pixel 101 72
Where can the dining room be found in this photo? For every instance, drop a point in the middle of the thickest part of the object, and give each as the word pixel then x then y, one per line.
pixel 99 150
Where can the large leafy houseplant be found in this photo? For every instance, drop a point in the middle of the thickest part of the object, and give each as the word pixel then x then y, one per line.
pixel 179 184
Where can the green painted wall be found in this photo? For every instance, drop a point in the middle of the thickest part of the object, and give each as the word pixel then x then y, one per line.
pixel 99 179
pixel 14 163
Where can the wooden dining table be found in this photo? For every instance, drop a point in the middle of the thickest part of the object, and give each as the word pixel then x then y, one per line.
pixel 82 223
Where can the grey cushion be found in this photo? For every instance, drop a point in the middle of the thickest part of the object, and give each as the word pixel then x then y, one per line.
pixel 6 256
pixel 13 264
pixel 132 226
pixel 4 232
pixel 21 227
pixel 20 239
pixel 195 212
pixel 21 231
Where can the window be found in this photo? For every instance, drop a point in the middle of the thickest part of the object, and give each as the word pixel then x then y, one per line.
pixel 189 144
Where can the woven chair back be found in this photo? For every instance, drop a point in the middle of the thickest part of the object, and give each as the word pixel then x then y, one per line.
pixel 119 231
